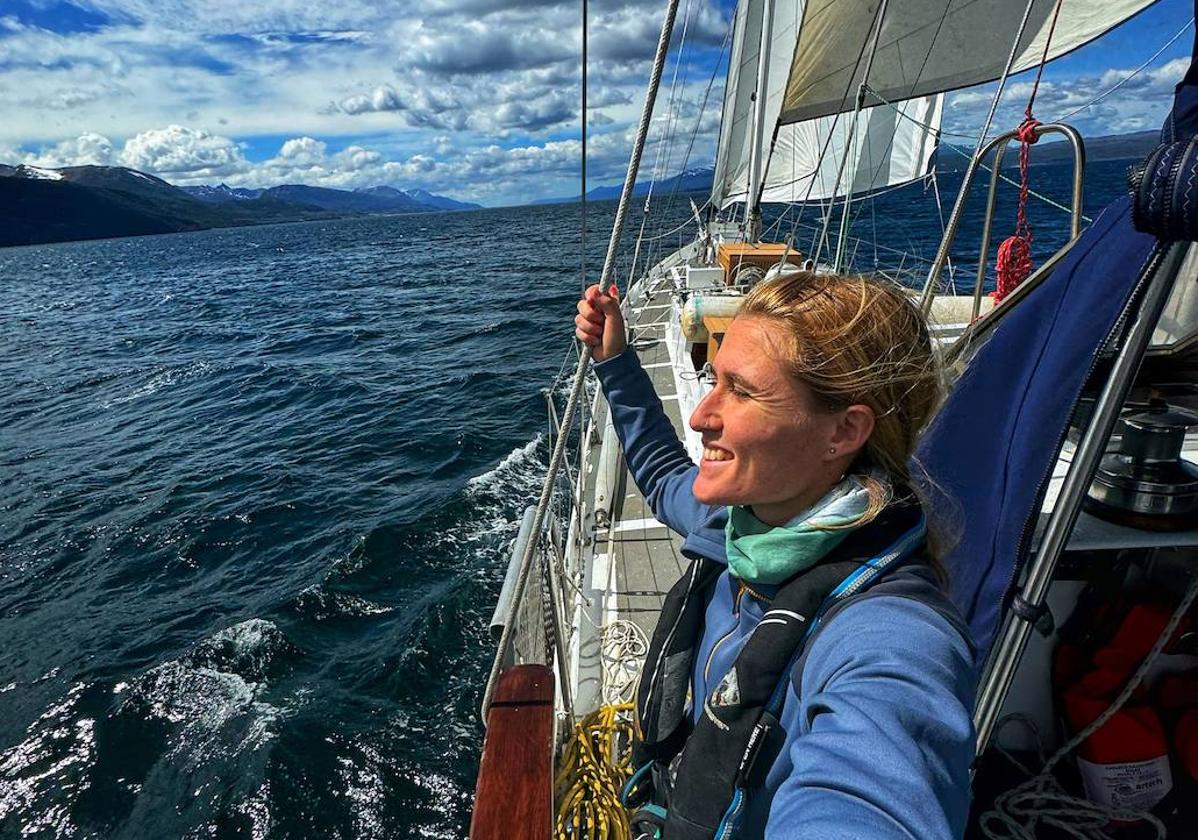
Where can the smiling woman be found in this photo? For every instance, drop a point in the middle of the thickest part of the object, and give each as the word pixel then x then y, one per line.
pixel 820 389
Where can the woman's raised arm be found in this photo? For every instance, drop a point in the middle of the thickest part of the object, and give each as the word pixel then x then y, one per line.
pixel 656 457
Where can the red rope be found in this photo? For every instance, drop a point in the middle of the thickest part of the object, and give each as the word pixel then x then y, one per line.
pixel 1014 261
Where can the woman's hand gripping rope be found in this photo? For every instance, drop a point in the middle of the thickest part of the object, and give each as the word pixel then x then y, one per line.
pixel 600 324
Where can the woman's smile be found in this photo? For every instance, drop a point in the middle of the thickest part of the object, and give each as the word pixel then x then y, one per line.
pixel 715 454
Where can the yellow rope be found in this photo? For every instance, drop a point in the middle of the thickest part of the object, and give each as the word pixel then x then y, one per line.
pixel 596 763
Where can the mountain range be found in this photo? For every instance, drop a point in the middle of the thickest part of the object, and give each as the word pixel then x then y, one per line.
pixel 1109 147
pixel 39 205
pixel 690 180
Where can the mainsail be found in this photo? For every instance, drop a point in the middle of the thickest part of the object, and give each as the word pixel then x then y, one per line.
pixel 890 146
pixel 816 64
pixel 929 46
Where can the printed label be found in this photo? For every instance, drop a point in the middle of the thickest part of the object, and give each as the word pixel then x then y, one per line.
pixel 1130 784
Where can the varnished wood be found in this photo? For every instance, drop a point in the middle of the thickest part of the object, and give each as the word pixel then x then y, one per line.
pixel 716 326
pixel 514 796
pixel 763 255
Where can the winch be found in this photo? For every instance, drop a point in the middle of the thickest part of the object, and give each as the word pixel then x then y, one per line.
pixel 1147 484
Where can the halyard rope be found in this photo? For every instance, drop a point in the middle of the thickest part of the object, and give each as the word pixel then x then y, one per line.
pixel 584 356
pixel 1014 261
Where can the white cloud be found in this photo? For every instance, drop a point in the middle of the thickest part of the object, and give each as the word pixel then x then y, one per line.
pixel 1139 103
pixel 470 97
pixel 303 150
pixel 87 149
pixel 357 159
pixel 190 153
pixel 382 98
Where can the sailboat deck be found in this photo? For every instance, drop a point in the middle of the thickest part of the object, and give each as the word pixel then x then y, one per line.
pixel 646 554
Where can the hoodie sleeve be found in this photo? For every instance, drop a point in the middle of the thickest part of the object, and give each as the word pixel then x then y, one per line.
pixel 885 738
pixel 656 457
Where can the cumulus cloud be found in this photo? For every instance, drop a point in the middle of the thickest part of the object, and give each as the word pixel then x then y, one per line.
pixel 382 98
pixel 550 109
pixel 469 97
pixel 303 150
pixel 1136 103
pixel 478 47
pixel 179 151
pixel 89 149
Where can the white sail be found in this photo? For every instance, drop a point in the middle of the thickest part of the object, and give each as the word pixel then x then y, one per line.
pixel 732 160
pixel 929 46
pixel 889 148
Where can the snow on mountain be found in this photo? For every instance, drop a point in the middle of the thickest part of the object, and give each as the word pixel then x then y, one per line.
pixel 27 171
pixel 221 193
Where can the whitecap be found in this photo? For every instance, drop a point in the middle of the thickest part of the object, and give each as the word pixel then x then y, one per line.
pixel 48 767
pixel 514 463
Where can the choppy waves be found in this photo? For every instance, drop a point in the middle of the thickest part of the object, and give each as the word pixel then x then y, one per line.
pixel 255 522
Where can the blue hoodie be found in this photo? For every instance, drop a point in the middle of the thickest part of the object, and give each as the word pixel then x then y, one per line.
pixel 879 739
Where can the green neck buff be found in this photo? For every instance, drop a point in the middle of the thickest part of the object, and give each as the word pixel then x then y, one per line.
pixel 760 553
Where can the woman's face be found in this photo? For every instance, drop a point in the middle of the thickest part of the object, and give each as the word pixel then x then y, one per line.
pixel 766 443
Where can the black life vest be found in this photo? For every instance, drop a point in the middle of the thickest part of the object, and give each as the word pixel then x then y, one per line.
pixel 720 759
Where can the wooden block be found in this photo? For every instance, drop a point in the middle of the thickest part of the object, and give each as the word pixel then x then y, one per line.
pixel 514 796
pixel 763 255
pixel 716 326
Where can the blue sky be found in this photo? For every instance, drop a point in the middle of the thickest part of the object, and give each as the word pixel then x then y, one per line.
pixel 473 98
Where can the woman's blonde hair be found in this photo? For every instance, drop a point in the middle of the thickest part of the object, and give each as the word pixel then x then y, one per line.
pixel 859 341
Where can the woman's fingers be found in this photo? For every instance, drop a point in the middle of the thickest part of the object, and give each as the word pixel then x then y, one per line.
pixel 589 325
pixel 589 311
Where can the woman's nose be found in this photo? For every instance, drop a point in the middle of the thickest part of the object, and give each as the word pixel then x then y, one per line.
pixel 705 417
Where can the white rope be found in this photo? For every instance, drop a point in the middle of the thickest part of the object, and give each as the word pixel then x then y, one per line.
pixel 623 647
pixel 1041 797
pixel 584 356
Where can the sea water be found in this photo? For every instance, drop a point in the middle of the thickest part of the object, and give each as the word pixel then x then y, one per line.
pixel 258 488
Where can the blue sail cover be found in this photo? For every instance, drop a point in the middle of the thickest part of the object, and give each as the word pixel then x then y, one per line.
pixel 996 439
pixel 994 442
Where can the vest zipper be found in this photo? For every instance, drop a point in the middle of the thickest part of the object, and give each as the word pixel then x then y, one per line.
pixel 742 589
pixel 735 626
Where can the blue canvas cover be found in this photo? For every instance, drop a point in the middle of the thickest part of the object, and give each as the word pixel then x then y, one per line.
pixel 994 442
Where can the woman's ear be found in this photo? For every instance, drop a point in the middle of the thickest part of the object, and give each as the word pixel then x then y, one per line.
pixel 853 428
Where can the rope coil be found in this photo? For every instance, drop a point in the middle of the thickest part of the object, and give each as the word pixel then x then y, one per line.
pixel 1014 261
pixel 596 765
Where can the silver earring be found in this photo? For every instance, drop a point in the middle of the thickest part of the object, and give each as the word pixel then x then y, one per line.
pixel 831 450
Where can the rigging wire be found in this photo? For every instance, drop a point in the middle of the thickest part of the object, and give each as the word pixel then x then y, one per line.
pixel 977 139
pixel 661 158
pixel 969 156
pixel 1002 81
pixel 671 199
pixel 584 357
pixel 866 88
pixel 583 173
pixel 1134 73
pixel 699 119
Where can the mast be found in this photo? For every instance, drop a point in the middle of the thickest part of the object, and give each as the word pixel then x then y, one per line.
pixel 852 139
pixel 752 206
